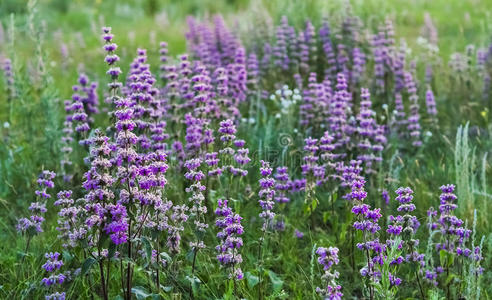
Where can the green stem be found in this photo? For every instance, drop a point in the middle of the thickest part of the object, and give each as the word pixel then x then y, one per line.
pixel 27 248
pixel 128 269
pixel 195 251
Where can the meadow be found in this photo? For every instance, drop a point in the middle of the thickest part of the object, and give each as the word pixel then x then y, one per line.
pixel 245 149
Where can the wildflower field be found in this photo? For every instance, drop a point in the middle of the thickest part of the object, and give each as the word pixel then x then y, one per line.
pixel 245 149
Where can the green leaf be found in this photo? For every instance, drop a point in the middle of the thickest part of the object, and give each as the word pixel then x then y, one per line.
pixel 86 266
pixel 195 283
pixel 67 257
pixel 450 259
pixel 442 257
pixel 21 254
pixel 446 258
pixel 314 204
pixel 111 250
pixel 147 247
pixel 189 255
pixel 166 257
pixel 193 279
pixel 166 289
pixel 450 278
pixel 104 241
pixel 276 281
pixel 252 279
pixel 84 244
pixel 140 293
pixel 307 209
pixel 326 216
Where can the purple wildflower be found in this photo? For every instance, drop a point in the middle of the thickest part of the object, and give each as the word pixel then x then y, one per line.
pixel 230 239
pixel 9 79
pixel 53 264
pixel 414 118
pixel 32 225
pixel 431 104
pixel 298 234
pixel 266 195
pixel 328 257
pixel 282 185
pixel 196 190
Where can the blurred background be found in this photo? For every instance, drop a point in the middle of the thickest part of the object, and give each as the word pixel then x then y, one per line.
pixel 62 38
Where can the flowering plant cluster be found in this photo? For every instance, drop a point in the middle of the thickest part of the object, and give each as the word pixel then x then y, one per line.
pixel 175 178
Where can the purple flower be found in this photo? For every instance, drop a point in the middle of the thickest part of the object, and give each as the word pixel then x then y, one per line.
pixel 111 59
pixel 53 279
pixel 118 226
pixel 366 221
pixel 379 51
pixel 196 190
pixel 227 130
pixel 405 225
pixel 337 114
pixel 9 79
pixel 414 118
pixel 177 220
pixel 430 102
pixel 45 181
pixel 282 185
pixel 280 50
pixel 327 257
pixel 452 232
pixel 52 262
pixel 233 155
pixel 371 135
pixel 230 239
pixel 163 51
pixel 348 174
pixel 56 296
pixel 400 116
pixel 359 62
pixel 82 106
pixel 266 195
pixel 32 225
pixel 385 196
pixel 328 49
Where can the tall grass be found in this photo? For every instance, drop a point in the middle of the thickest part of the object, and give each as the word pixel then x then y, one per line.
pixel 470 176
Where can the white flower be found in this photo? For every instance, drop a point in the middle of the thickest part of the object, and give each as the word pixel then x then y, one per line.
pixel 285 103
pixel 277 115
pixel 272 97
pixel 278 92
pixel 428 133
pixel 385 106
pixel 252 120
pixel 6 125
pixel 296 91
